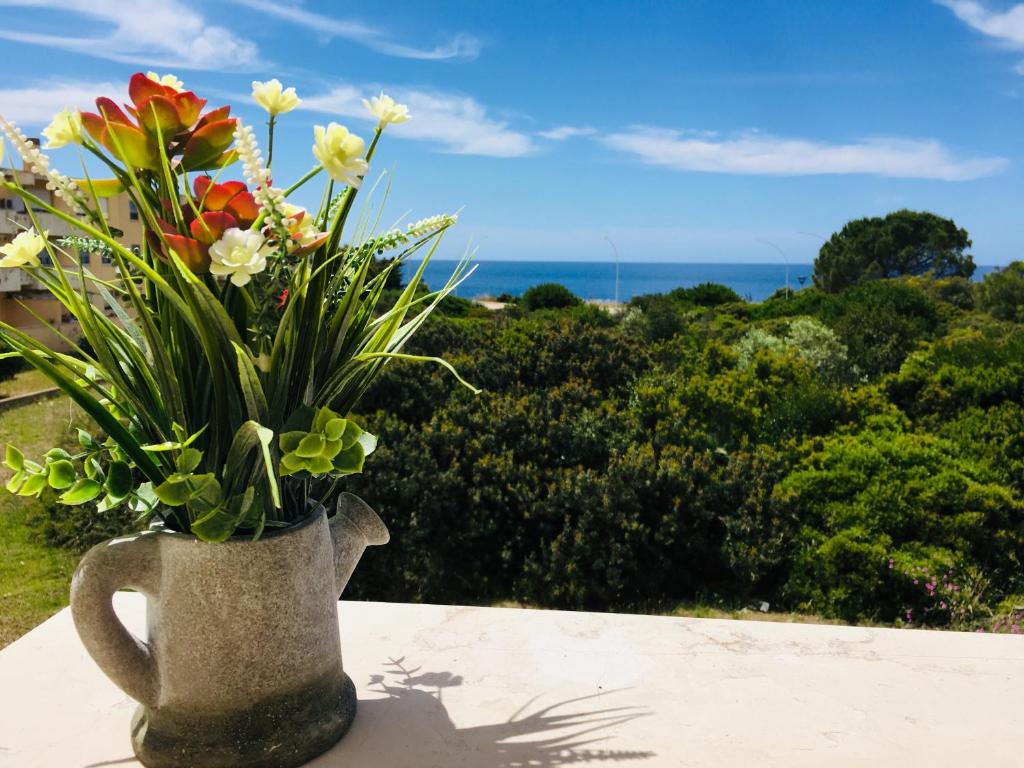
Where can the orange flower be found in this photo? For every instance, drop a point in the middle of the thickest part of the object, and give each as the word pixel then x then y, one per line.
pixel 162 116
pixel 222 207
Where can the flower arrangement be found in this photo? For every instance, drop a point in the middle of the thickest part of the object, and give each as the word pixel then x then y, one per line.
pixel 227 354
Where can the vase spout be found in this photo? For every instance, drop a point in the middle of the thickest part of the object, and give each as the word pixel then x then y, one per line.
pixel 354 527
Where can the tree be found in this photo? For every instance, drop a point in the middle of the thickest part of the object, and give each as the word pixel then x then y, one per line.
pixel 901 243
pixel 549 296
pixel 1001 293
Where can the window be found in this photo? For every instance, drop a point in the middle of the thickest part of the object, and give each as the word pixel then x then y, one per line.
pixel 105 258
pixel 45 195
pixel 133 212
pixel 7 203
pixel 84 257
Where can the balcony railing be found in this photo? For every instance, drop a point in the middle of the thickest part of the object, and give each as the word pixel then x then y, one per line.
pixel 12 223
pixel 11 280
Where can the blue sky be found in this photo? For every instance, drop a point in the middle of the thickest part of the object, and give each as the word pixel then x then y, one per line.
pixel 685 131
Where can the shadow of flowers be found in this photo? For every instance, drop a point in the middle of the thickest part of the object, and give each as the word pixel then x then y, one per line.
pixel 410 726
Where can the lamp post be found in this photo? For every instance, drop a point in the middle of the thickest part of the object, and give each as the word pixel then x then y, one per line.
pixel 616 250
pixel 784 259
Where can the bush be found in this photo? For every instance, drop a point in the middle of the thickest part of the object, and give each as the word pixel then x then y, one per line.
pixel 706 295
pixel 10 366
pixel 549 296
pixel 1001 293
pixel 884 494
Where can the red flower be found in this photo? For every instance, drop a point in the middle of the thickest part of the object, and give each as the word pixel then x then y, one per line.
pixel 162 116
pixel 282 299
pixel 222 207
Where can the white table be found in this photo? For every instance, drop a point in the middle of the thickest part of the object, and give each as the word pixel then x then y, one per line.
pixel 484 687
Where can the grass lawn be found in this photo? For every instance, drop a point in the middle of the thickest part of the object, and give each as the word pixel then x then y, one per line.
pixel 24 382
pixel 34 578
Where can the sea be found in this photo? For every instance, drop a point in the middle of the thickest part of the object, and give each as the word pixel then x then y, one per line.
pixel 597 279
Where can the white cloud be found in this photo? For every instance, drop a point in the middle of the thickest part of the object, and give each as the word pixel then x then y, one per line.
pixel 159 33
pixel 459 47
pixel 1006 26
pixel 758 154
pixel 37 105
pixel 458 124
pixel 563 132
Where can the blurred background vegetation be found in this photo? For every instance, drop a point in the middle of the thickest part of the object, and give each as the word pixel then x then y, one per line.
pixel 853 451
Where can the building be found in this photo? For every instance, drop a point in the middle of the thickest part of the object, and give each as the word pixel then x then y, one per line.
pixel 23 301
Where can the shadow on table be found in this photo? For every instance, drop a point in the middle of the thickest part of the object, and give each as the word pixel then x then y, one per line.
pixel 411 727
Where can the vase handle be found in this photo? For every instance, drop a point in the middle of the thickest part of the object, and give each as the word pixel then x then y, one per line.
pixel 354 527
pixel 132 562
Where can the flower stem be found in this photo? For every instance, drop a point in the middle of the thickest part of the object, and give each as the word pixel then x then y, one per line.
pixel 270 140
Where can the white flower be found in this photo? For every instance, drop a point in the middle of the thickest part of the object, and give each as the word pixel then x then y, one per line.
pixel 272 98
pixel 64 129
pixel 239 253
pixel 169 80
pixel 385 109
pixel 271 199
pixel 340 153
pixel 24 250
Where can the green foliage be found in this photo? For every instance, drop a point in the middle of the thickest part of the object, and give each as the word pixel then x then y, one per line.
pixel 9 366
pixel 901 243
pixel 1001 293
pixel 706 295
pixel 549 296
pixel 884 494
pixel 808 339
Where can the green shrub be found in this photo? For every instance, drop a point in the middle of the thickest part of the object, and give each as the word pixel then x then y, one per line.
pixel 549 296
pixel 706 295
pixel 1001 293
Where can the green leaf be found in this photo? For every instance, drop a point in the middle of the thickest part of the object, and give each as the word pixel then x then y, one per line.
pixel 119 479
pixel 336 428
pixel 188 460
pixel 289 441
pixel 350 461
pixel 15 482
pixel 215 525
pixel 310 446
pixel 220 522
pixel 62 474
pixel 352 433
pixel 205 493
pixel 86 440
pixel 57 454
pixel 14 459
pixel 33 485
pixel 174 491
pixel 81 492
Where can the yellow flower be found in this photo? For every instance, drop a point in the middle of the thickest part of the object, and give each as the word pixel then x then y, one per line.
pixel 169 80
pixel 64 129
pixel 24 250
pixel 273 98
pixel 385 109
pixel 340 153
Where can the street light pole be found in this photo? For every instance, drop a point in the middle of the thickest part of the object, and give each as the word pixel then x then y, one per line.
pixel 784 259
pixel 616 268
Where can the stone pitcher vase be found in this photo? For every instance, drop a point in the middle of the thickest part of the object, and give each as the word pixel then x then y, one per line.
pixel 242 665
